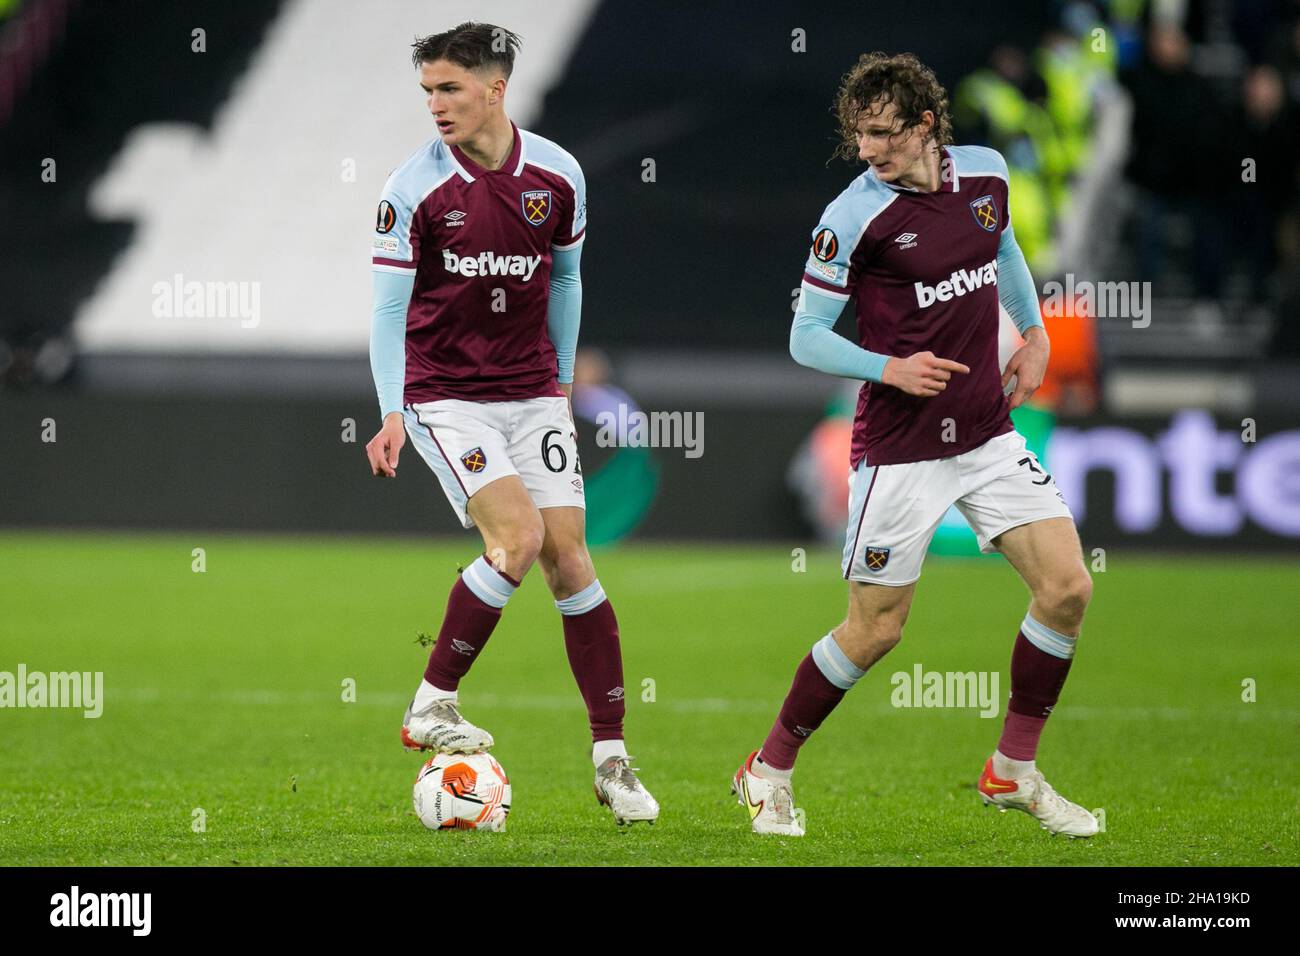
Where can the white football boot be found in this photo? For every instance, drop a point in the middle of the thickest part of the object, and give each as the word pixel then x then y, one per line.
pixel 770 802
pixel 440 727
pixel 1034 795
pixel 618 788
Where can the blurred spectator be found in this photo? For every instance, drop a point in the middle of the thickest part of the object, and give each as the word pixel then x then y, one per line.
pixel 1001 106
pixel 1286 57
pixel 818 472
pixel 1125 24
pixel 1264 134
pixel 1069 72
pixel 621 488
pixel 1179 160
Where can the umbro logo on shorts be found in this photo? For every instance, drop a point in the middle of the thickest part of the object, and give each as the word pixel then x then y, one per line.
pixel 876 558
pixel 474 460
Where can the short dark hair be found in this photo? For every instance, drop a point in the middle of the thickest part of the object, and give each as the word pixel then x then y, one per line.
pixel 902 80
pixel 471 45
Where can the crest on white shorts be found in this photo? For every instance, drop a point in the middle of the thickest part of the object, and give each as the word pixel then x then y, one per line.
pixel 876 558
pixel 474 460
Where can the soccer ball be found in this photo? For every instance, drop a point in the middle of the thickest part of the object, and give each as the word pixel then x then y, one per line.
pixel 462 792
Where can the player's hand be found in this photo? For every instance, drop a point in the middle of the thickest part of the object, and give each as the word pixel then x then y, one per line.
pixel 921 374
pixel 382 450
pixel 1028 364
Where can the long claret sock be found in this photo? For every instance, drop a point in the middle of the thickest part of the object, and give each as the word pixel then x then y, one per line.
pixel 1040 662
pixel 591 642
pixel 822 679
pixel 473 610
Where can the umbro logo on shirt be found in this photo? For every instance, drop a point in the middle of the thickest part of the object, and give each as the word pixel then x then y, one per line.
pixel 454 218
pixel 906 241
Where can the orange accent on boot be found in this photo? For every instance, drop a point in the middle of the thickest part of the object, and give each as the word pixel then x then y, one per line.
pixel 993 785
pixel 744 768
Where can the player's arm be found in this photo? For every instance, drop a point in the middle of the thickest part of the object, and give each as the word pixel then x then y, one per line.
pixel 1017 294
pixel 392 294
pixel 564 307
pixel 814 343
pixel 564 311
pixel 395 255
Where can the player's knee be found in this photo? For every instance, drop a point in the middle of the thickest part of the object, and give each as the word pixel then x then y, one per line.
pixel 871 638
pixel 525 544
pixel 1067 597
pixel 886 635
pixel 569 571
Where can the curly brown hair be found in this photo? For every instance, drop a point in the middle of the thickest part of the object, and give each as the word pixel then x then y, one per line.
pixel 900 79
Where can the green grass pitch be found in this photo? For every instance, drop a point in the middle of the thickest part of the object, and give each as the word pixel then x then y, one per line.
pixel 223 693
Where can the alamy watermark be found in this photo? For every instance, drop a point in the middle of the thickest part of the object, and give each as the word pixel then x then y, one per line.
pixel 1101 300
pixel 959 689
pixel 179 299
pixel 80 690
pixel 75 908
pixel 633 428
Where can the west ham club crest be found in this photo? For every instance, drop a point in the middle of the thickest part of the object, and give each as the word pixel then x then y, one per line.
pixel 537 206
pixel 985 211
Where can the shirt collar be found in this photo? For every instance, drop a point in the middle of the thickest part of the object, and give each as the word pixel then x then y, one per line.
pixel 946 162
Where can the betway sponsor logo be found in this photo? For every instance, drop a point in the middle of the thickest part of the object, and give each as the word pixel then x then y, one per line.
pixel 959 283
pixel 490 264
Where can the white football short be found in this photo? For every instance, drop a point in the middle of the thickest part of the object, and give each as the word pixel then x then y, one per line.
pixel 895 509
pixel 472 444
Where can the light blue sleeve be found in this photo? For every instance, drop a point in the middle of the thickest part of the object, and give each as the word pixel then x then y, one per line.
pixel 814 342
pixel 1016 284
pixel 564 308
pixel 392 294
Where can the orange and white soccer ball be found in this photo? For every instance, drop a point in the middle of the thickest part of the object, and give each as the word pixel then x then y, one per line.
pixel 462 792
